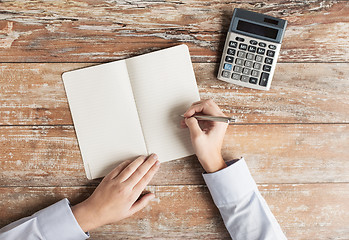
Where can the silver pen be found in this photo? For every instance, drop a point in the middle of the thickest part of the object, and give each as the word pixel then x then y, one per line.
pixel 228 120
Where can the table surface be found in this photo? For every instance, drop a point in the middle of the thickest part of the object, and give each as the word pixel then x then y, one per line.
pixel 294 137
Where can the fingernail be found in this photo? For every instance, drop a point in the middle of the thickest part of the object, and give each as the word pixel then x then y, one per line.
pixel 157 163
pixel 155 156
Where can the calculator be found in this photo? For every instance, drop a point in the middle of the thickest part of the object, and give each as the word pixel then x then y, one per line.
pixel 251 49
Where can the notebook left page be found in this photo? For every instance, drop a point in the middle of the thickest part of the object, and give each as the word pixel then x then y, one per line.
pixel 105 116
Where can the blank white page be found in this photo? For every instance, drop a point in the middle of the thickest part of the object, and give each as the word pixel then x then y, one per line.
pixel 164 86
pixel 105 116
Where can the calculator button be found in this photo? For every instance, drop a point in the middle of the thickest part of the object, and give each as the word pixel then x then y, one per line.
pixel 248 64
pixel 266 68
pixel 255 73
pixel 264 79
pixel 231 51
pixel 240 39
pixel 253 80
pixel 241 54
pixel 268 61
pixel 233 44
pixel 242 46
pixel 225 74
pixel 239 61
pixel 273 47
pixel 257 66
pixel 250 56
pixel 244 78
pixel 229 59
pixel 258 58
pixel 253 42
pixel 235 76
pixel 246 71
pixel 260 50
pixel 237 69
pixel 262 44
pixel 270 53
pixel 227 66
pixel 252 48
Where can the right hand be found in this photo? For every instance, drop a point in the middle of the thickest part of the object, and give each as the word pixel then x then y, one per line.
pixel 207 140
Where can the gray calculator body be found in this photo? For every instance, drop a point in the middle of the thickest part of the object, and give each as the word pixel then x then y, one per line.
pixel 251 49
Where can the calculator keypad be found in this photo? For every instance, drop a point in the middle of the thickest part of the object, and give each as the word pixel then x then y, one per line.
pixel 231 51
pixel 229 59
pixel 249 60
pixel 233 44
pixel 242 46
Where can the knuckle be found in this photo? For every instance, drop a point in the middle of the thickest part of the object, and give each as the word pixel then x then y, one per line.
pixel 141 158
pixel 122 190
pixel 128 171
pixel 138 174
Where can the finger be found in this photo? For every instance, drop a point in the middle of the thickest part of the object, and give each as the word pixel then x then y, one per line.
pixel 183 125
pixel 198 102
pixel 210 105
pixel 130 169
pixel 192 106
pixel 142 170
pixel 118 169
pixel 141 203
pixel 193 109
pixel 193 126
pixel 142 183
pixel 207 107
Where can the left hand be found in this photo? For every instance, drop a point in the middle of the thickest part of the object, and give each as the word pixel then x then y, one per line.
pixel 117 196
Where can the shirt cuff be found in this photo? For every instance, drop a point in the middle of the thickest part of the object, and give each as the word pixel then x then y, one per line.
pixel 58 222
pixel 230 184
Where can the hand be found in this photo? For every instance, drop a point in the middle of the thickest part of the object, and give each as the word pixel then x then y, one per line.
pixel 207 140
pixel 117 196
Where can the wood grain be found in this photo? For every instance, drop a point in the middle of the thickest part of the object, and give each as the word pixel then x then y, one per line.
pixel 49 156
pixel 99 31
pixel 187 212
pixel 294 137
pixel 33 94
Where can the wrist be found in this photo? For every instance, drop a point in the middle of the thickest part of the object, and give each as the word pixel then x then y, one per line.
pixel 82 216
pixel 213 164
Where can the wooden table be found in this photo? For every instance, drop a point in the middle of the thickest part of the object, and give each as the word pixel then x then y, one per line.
pixel 295 137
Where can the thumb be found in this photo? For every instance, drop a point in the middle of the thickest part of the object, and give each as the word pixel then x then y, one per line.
pixel 193 126
pixel 141 203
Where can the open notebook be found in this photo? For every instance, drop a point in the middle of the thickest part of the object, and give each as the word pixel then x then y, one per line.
pixel 132 107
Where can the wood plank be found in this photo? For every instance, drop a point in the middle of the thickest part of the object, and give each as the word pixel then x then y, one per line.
pixel 49 156
pixel 300 93
pixel 85 31
pixel 187 212
pixel 33 94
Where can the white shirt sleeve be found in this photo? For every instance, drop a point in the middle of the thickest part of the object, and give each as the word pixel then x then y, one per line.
pixel 245 213
pixel 54 222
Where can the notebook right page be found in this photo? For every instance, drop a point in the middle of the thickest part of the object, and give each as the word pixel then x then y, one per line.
pixel 164 86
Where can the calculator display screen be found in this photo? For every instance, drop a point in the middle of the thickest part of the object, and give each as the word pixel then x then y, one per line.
pixel 257 29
